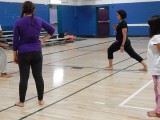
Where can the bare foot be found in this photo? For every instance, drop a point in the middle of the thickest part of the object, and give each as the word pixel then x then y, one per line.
pixel 109 68
pixel 153 114
pixel 143 69
pixel 19 104
pixel 5 75
pixel 41 102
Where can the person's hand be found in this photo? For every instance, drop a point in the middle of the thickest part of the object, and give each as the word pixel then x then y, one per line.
pixel 4 45
pixel 42 40
pixel 122 49
pixel 15 59
pixel 114 27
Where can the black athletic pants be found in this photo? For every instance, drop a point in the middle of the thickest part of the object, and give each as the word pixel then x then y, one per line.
pixel 33 60
pixel 127 47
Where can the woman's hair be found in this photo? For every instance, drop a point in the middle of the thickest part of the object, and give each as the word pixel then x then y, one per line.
pixel 154 25
pixel 28 8
pixel 122 13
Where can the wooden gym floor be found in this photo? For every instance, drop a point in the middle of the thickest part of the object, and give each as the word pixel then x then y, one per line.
pixel 77 87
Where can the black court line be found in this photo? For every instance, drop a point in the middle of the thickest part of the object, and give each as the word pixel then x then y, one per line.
pixel 72 81
pixel 76 92
pixel 72 49
pixel 77 48
pixel 73 57
pixel 72 67
pixel 67 58
pixel 49 64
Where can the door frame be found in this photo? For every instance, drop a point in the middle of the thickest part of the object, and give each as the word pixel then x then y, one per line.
pixel 97 19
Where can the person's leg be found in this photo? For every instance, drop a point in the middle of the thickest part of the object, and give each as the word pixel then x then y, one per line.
pixel 24 69
pixel 110 64
pixel 36 65
pixel 128 48
pixel 144 66
pixel 156 112
pixel 3 64
pixel 113 48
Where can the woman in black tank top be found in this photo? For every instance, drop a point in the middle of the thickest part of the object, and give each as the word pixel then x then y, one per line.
pixel 122 42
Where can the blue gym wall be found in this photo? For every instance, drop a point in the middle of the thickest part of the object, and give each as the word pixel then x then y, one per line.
pixel 10 12
pixel 67 19
pixel 81 20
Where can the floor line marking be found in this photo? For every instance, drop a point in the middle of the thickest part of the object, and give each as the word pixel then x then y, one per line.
pixel 134 94
pixel 141 108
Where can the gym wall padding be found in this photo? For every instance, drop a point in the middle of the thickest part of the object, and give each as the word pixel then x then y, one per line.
pixel 10 12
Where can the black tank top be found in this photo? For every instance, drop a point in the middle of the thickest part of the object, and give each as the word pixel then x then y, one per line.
pixel 120 26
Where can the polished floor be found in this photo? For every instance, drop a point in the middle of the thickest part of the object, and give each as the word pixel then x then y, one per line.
pixel 77 87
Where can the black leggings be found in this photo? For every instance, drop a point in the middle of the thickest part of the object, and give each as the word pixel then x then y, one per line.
pixel 33 60
pixel 127 47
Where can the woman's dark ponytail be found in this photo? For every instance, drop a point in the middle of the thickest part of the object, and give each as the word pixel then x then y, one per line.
pixel 27 8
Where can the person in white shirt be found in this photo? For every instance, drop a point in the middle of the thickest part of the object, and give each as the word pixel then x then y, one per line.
pixel 3 58
pixel 153 60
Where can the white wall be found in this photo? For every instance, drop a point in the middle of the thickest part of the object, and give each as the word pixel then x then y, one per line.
pixel 82 2
pixel 95 2
pixel 69 2
pixel 34 1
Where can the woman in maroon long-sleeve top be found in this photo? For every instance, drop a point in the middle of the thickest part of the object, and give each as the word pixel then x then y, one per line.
pixel 27 50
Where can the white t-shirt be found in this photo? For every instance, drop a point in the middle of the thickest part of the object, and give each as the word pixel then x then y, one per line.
pixel 153 56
